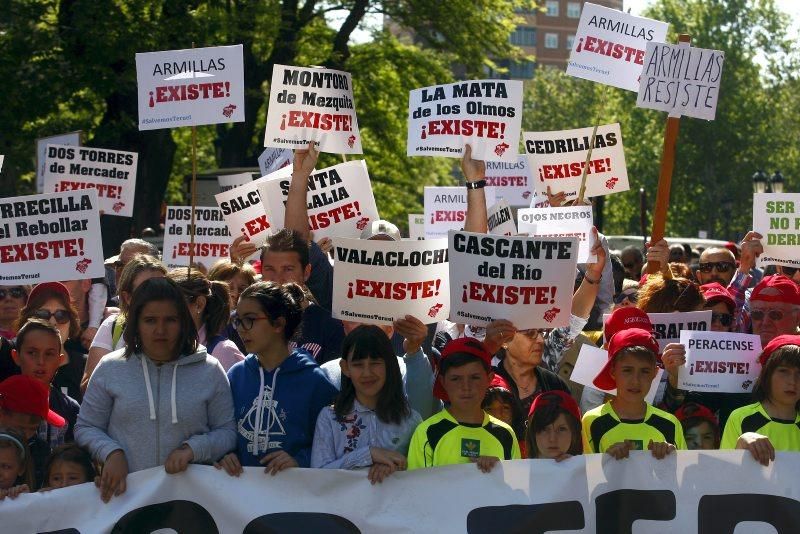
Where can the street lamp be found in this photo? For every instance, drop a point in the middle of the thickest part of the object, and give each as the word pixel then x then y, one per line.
pixel 777 182
pixel 760 181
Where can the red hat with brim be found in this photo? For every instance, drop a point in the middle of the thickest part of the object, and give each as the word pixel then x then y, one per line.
pixel 691 410
pixel 776 343
pixel 787 289
pixel 631 337
pixel 562 398
pixel 625 318
pixel 53 287
pixel 23 394
pixel 714 292
pixel 461 345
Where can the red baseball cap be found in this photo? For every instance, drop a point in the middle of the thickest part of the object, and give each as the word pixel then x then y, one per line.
pixel 556 396
pixel 630 337
pixel 23 394
pixel 499 382
pixel 776 343
pixel 715 292
pixel 461 345
pixel 54 287
pixel 789 291
pixel 692 409
pixel 624 318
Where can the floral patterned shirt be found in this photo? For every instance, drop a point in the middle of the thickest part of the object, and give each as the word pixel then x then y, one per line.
pixel 344 442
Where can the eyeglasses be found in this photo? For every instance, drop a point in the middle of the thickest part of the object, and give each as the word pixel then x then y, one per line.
pixel 725 319
pixel 62 316
pixel 632 296
pixel 758 315
pixel 533 333
pixel 720 266
pixel 14 293
pixel 245 323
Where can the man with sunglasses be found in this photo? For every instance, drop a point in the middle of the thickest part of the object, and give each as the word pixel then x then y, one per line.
pixel 775 308
pixel 716 265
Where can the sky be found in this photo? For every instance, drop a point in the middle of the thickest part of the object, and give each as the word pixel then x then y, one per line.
pixel 792 7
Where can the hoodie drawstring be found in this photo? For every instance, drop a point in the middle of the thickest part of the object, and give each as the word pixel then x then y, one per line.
pixel 174 402
pixel 149 389
pixel 271 396
pixel 259 412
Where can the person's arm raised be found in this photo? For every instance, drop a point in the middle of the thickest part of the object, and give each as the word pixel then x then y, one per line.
pixel 584 297
pixel 475 175
pixel 296 216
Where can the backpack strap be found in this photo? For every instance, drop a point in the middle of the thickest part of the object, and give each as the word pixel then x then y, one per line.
pixel 116 331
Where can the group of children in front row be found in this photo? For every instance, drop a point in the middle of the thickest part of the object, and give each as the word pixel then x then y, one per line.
pixel 370 423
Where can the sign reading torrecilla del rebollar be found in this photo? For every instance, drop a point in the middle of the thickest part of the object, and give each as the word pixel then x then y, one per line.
pixel 190 87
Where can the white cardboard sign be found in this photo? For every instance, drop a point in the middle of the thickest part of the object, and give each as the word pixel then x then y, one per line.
pixel 244 213
pixel 229 181
pixel 557 160
pixel 379 281
pixel 500 219
pixel 719 362
pixel 211 238
pixel 339 199
pixel 312 104
pixel 609 46
pixel 416 226
pixel 777 218
pixel 111 172
pixel 190 87
pixel 591 360
pixel 273 159
pixel 561 222
pixel 446 209
pixel 48 238
pixel 527 280
pixel 486 114
pixel 667 326
pixel 512 182
pixel 681 80
pixel 70 139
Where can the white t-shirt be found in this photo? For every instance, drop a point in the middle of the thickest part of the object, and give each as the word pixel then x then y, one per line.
pixel 105 335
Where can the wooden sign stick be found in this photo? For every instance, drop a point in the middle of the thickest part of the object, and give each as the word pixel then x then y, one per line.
pixel 582 190
pixel 194 196
pixel 665 179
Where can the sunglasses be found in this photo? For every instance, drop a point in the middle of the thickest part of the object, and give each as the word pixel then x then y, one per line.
pixel 14 293
pixel 720 266
pixel 245 323
pixel 758 315
pixel 632 296
pixel 725 319
pixel 62 316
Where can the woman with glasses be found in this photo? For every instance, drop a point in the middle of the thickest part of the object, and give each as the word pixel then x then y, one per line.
pixel 277 393
pixel 161 401
pixel 52 303
pixel 629 295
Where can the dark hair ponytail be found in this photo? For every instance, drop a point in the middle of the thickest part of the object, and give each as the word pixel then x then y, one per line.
pixel 278 301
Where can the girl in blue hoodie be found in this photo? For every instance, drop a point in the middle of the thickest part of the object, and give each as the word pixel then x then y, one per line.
pixel 277 394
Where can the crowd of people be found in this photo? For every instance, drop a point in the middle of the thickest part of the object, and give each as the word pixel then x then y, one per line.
pixel 244 366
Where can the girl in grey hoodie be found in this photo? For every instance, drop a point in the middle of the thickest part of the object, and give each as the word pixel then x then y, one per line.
pixel 161 400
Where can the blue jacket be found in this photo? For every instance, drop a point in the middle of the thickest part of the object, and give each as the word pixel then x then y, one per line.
pixel 291 398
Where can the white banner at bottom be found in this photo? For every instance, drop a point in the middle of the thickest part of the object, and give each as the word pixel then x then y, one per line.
pixel 692 491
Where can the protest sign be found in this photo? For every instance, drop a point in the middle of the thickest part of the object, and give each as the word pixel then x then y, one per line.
pixel 2 159
pixel 777 218
pixel 339 199
pixel 557 159
pixel 111 172
pixel 500 220
pixel 719 362
pixel 312 104
pixel 527 280
pixel 446 209
pixel 70 139
pixel 211 237
pixel 416 226
pixel 273 159
pixel 244 213
pixel 609 46
pixel 540 200
pixel 377 282
pixel 47 238
pixel 700 492
pixel 485 114
pixel 667 326
pixel 681 80
pixel 190 87
pixel 513 182
pixel 229 181
pixel 591 361
pixel 561 222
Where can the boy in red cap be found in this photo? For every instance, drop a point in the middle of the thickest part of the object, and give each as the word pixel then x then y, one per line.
pixel 462 432
pixel 700 428
pixel 628 422
pixel 24 404
pixel 772 423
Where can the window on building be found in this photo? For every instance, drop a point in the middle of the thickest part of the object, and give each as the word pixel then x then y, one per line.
pixel 552 8
pixel 524 36
pixel 570 41
pixel 521 69
pixel 551 40
pixel 574 10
